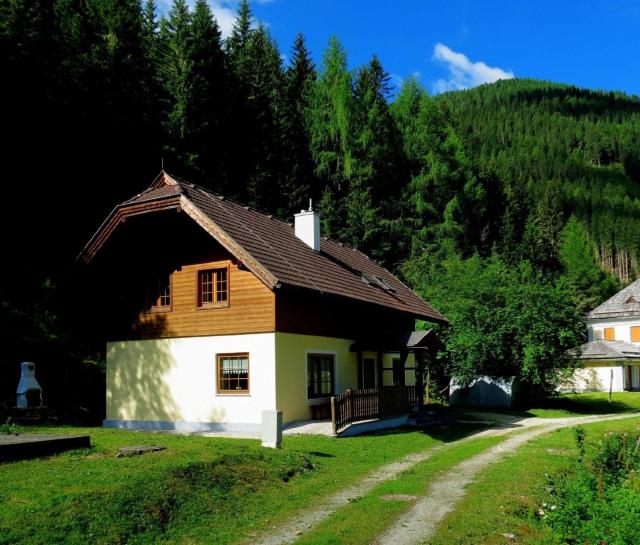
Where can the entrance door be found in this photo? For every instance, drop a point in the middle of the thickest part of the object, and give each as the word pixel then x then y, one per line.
pixel 398 372
pixel 628 383
pixel 368 373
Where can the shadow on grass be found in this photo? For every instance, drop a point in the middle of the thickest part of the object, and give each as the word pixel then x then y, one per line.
pixel 588 405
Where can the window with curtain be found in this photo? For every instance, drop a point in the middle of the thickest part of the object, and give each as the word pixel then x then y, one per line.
pixel 233 373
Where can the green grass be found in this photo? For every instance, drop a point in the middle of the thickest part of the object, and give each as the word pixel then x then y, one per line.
pixel 507 496
pixel 568 405
pixel 589 403
pixel 362 520
pixel 198 490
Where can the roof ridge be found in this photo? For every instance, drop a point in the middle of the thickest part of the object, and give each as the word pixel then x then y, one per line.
pixel 263 212
pixel 246 227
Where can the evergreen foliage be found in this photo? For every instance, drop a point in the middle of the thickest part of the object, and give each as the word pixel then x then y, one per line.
pixel 515 176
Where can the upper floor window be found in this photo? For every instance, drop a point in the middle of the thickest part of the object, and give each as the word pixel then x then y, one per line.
pixel 635 333
pixel 213 287
pixel 159 294
pixel 609 333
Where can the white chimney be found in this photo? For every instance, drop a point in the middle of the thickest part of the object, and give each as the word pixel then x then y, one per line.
pixel 307 227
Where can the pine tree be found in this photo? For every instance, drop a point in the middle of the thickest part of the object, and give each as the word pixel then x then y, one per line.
pixel 586 281
pixel 329 122
pixel 207 109
pixel 175 33
pixel 372 200
pixel 300 182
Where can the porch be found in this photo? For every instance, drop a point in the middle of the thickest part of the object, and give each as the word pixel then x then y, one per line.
pixel 366 405
pixel 388 391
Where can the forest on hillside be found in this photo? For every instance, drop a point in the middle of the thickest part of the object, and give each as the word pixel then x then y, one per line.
pixel 523 195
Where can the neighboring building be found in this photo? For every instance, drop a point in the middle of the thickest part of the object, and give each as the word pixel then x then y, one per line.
pixel 611 358
pixel 222 312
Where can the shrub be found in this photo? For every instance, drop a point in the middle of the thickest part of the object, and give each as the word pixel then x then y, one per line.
pixel 597 499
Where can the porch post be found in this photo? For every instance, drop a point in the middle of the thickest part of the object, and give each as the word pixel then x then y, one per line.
pixel 380 387
pixel 420 365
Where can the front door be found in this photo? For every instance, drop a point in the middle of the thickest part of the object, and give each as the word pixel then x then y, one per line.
pixel 629 378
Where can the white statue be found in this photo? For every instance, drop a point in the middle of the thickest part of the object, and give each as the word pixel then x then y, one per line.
pixel 28 383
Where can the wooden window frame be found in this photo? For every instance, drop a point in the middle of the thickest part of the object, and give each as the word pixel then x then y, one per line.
pixel 331 355
pixel 152 308
pixel 216 304
pixel 634 333
pixel 237 355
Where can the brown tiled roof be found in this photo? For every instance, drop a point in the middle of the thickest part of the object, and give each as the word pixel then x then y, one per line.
pixel 336 269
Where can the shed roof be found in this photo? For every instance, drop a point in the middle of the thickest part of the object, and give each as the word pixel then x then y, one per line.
pixel 270 249
pixel 624 303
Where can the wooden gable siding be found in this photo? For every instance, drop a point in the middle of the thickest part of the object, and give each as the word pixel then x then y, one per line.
pixel 251 306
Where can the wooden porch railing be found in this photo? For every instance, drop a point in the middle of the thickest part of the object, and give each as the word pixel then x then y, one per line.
pixel 354 406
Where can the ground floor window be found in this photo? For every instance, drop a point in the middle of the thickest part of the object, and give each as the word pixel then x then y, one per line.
pixel 320 375
pixel 233 373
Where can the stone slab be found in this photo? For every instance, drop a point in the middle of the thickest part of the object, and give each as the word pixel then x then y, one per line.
pixel 32 445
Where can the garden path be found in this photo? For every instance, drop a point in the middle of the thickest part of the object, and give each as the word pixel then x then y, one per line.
pixel 419 522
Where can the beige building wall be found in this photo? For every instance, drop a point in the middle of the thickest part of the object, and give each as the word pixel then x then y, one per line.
pixel 174 380
pixel 291 371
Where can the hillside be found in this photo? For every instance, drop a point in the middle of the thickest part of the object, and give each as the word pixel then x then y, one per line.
pixel 558 150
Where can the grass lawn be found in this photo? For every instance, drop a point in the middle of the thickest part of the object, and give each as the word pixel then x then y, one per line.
pixel 567 405
pixel 589 403
pixel 505 499
pixel 198 490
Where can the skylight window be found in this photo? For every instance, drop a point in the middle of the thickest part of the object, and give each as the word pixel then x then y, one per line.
pixel 377 281
pixel 630 301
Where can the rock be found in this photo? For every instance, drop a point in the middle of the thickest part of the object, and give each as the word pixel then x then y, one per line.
pixel 137 449
pixel 509 536
pixel 398 497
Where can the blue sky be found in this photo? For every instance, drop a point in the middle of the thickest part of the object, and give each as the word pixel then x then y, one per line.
pixel 453 44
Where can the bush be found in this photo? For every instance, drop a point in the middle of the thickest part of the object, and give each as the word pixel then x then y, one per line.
pixel 597 499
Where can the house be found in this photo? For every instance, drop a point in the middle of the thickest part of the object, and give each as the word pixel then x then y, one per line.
pixel 611 357
pixel 217 312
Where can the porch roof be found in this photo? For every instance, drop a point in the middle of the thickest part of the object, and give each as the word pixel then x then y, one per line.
pixel 601 350
pixel 410 341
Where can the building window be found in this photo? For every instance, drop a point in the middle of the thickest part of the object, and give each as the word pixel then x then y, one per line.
pixel 609 333
pixel 159 294
pixel 320 375
pixel 233 373
pixel 635 333
pixel 398 372
pixel 213 287
pixel 368 373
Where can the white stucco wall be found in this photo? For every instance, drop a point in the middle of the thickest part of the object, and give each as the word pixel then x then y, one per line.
pixel 622 328
pixel 598 379
pixel 174 381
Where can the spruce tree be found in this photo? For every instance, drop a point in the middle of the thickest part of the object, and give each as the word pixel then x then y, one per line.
pixel 300 182
pixel 372 200
pixel 330 122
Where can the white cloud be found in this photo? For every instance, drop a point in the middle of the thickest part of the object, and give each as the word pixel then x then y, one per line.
pixel 462 72
pixel 224 11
